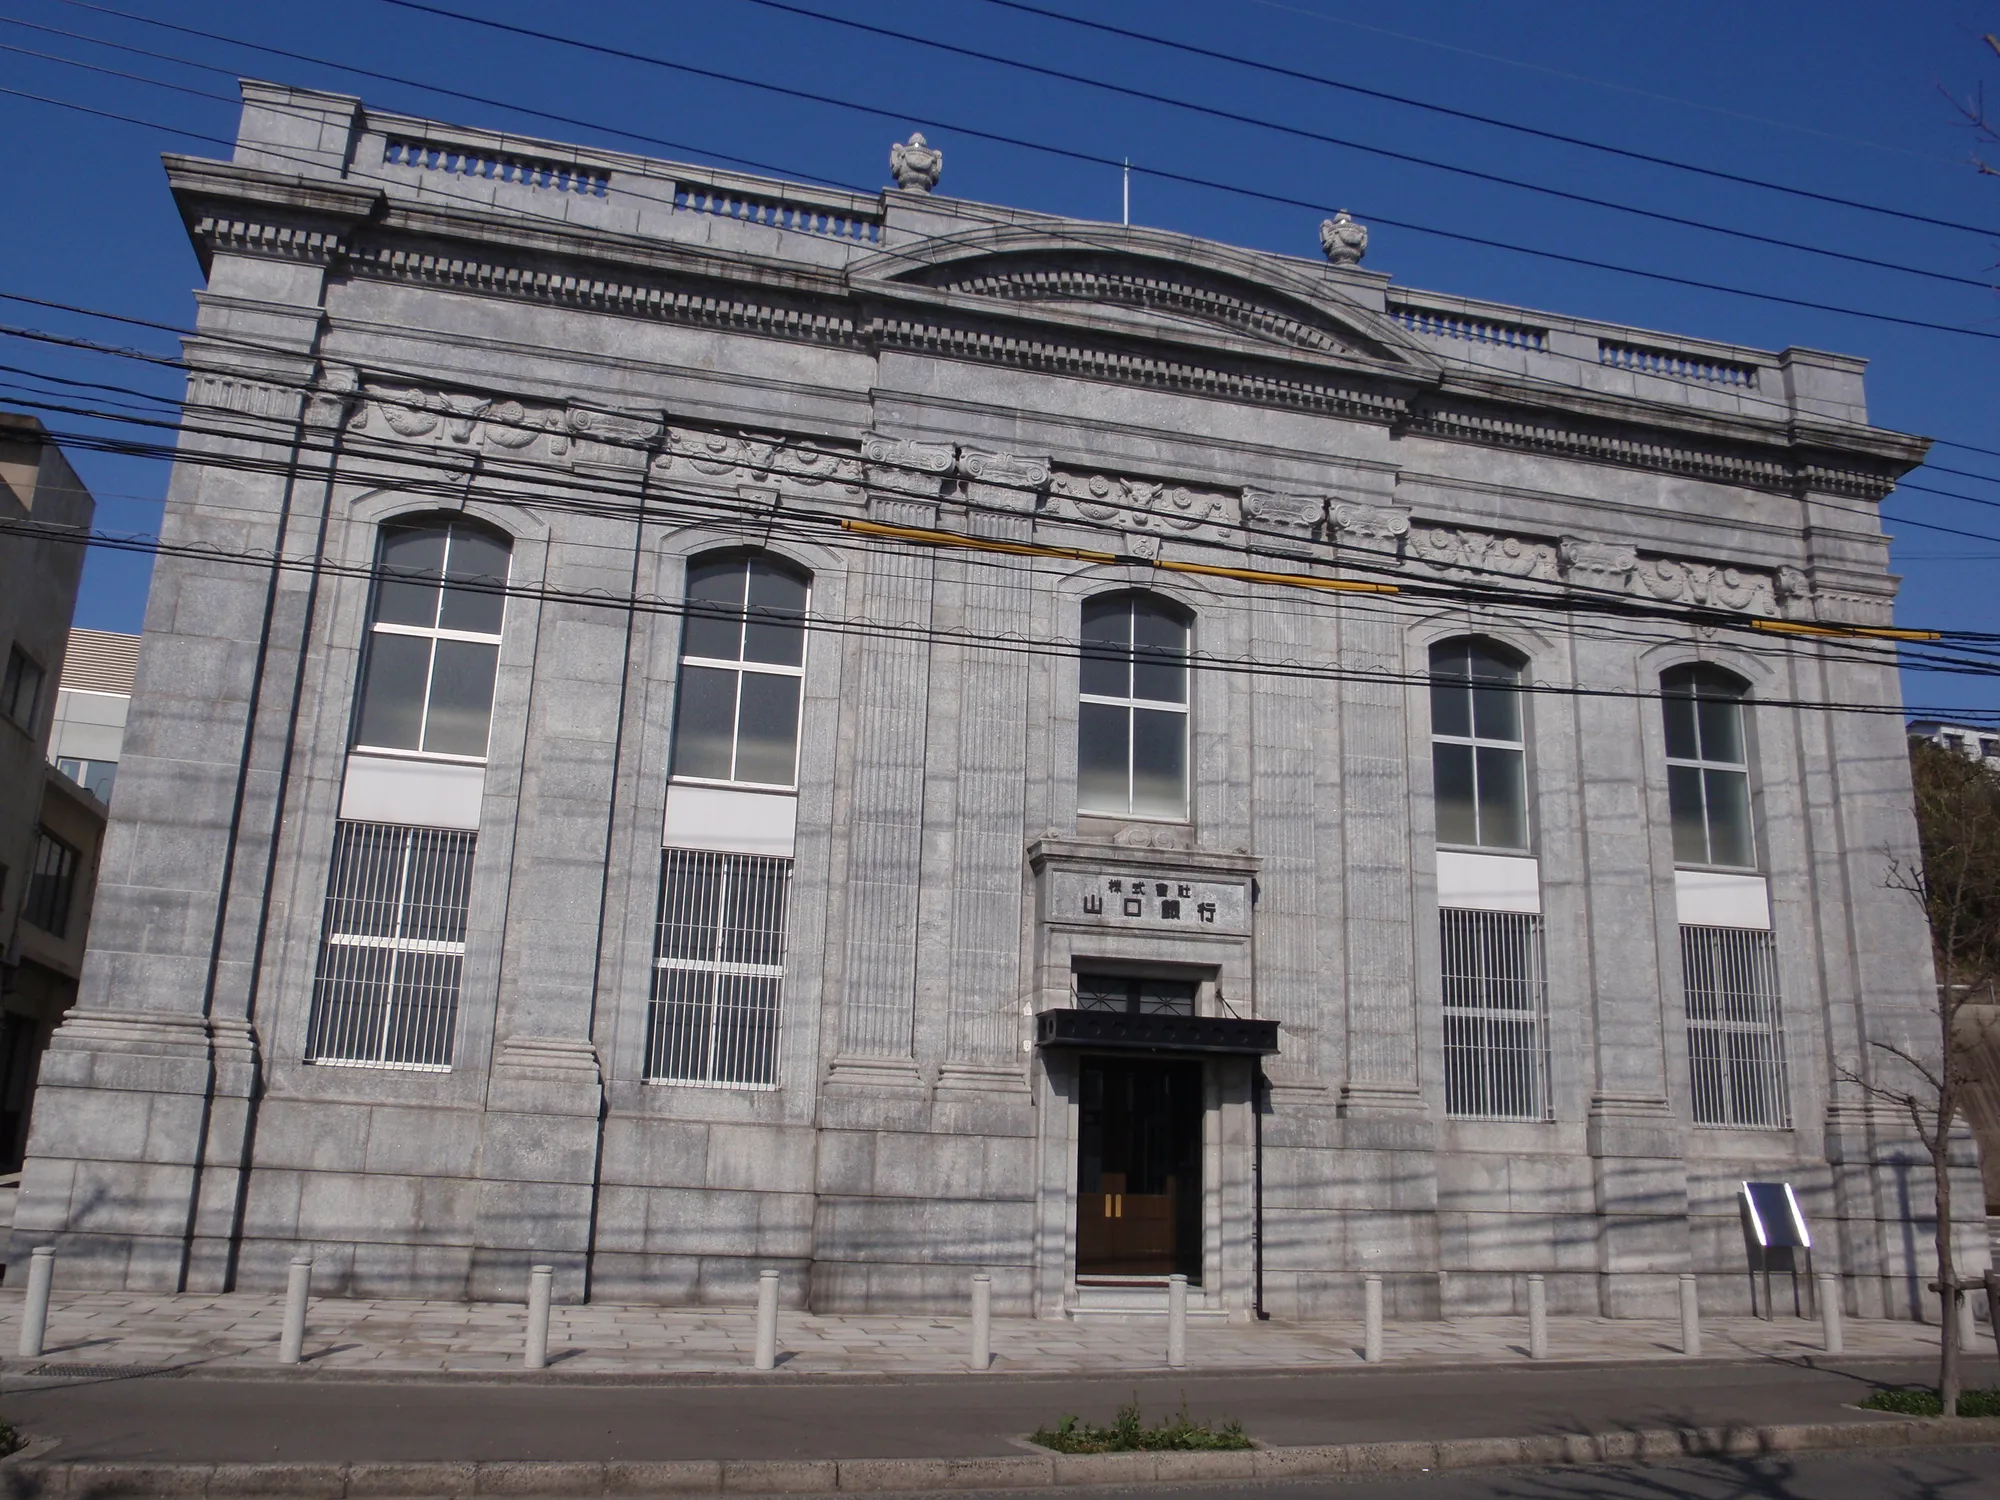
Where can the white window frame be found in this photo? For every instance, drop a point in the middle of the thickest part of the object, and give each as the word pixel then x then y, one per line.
pixel 728 868
pixel 1479 742
pixel 773 669
pixel 1129 704
pixel 433 634
pixel 1510 936
pixel 1701 765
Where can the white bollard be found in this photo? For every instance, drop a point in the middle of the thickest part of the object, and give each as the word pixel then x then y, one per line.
pixel 982 1322
pixel 1832 1337
pixel 1538 1318
pixel 1690 1315
pixel 1968 1322
pixel 298 1287
pixel 1371 1336
pixel 541 1288
pixel 1177 1322
pixel 35 1315
pixel 767 1320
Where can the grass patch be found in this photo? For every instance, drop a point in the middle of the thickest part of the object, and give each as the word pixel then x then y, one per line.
pixel 1922 1401
pixel 1128 1433
pixel 10 1437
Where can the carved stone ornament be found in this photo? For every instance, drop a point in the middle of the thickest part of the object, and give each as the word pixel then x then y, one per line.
pixel 1271 510
pixel 736 459
pixel 1343 240
pixel 1370 528
pixel 1002 481
pixel 1708 584
pixel 336 398
pixel 916 163
pixel 1597 565
pixel 586 435
pixel 906 467
pixel 1475 553
pixel 1139 505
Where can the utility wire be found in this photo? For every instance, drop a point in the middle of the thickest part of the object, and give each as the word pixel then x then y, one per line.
pixel 1433 107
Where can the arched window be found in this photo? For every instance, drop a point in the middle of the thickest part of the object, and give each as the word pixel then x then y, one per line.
pixel 1708 767
pixel 743 655
pixel 1132 720
pixel 433 640
pixel 1478 755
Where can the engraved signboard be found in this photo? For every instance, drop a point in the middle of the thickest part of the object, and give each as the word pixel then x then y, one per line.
pixel 1149 899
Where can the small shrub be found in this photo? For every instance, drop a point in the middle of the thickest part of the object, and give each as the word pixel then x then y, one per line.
pixel 1128 1433
pixel 10 1439
pixel 1922 1401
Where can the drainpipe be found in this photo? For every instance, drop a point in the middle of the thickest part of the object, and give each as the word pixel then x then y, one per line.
pixel 1257 1094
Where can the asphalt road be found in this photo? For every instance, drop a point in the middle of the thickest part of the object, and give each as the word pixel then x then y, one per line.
pixel 191 1419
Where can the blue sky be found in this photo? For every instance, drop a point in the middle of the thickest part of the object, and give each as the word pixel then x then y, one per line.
pixel 1842 98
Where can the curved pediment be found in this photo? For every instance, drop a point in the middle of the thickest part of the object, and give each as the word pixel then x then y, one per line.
pixel 1143 281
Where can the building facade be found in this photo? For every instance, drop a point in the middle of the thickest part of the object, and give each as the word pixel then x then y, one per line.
pixel 887 737
pixel 50 827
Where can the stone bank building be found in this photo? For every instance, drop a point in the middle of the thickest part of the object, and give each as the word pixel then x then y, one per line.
pixel 884 736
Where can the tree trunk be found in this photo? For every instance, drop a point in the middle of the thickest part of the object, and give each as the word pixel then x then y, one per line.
pixel 1948 1288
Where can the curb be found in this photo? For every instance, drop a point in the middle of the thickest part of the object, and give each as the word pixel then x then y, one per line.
pixel 353 1481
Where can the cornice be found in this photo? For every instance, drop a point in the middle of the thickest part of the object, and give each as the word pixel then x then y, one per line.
pixel 246 211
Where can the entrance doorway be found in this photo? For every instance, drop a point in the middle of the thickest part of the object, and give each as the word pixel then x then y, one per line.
pixel 1139 1201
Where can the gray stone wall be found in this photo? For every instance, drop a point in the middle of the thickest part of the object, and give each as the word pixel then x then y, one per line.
pixel 688 379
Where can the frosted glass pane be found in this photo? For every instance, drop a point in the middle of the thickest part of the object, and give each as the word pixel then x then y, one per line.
pixel 392 696
pixel 407 592
pixel 1729 818
pixel 1102 759
pixel 767 730
pixel 1159 646
pixel 1451 706
pixel 474 554
pixel 1451 780
pixel 776 631
pixel 705 723
pixel 1107 624
pixel 461 698
pixel 1496 712
pixel 714 623
pixel 1721 730
pixel 1679 713
pixel 1690 826
pixel 1503 799
pixel 1159 763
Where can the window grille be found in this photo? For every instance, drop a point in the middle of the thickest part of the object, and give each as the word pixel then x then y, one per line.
pixel 1135 994
pixel 51 885
pixel 1708 768
pixel 718 970
pixel 1478 754
pixel 743 653
pixel 1736 1043
pixel 1132 720
pixel 1496 1051
pixel 433 642
pixel 393 949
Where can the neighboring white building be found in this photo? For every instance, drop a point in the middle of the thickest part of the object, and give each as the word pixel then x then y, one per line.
pixel 1983 744
pixel 91 703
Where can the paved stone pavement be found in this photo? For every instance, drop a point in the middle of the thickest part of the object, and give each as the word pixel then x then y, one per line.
pixel 239 1332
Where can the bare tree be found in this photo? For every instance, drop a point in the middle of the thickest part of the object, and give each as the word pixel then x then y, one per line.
pixel 1955 879
pixel 1973 107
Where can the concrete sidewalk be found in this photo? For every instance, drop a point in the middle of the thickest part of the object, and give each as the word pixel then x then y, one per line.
pixel 238 1333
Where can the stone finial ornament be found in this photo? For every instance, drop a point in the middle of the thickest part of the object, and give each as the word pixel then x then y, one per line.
pixel 917 164
pixel 1343 240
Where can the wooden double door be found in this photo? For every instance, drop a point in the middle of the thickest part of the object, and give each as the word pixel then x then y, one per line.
pixel 1139 1210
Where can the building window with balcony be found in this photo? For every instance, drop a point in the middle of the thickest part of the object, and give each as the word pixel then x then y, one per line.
pixel 1708 769
pixel 1478 753
pixel 392 948
pixel 743 653
pixel 433 641
pixel 718 970
pixel 1132 717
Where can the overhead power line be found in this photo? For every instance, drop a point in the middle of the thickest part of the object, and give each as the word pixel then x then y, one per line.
pixel 1431 106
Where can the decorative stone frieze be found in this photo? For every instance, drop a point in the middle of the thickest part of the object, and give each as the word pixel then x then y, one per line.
pixel 735 459
pixel 576 435
pixel 1456 553
pixel 1597 565
pixel 1707 584
pixel 241 394
pixel 1272 510
pixel 335 400
pixel 1370 528
pixel 1143 506
pixel 1002 481
pixel 906 467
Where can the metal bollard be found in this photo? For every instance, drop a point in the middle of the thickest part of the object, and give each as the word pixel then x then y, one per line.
pixel 1177 1322
pixel 767 1320
pixel 1832 1336
pixel 541 1286
pixel 1993 1304
pixel 1968 1322
pixel 1538 1318
pixel 298 1287
pixel 1690 1315
pixel 35 1315
pixel 1371 1337
pixel 982 1322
